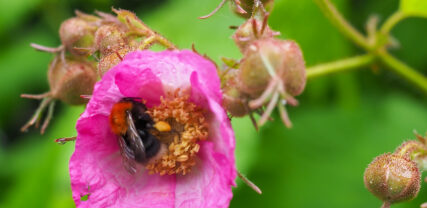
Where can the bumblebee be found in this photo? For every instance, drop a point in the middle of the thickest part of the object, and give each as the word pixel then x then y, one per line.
pixel 133 126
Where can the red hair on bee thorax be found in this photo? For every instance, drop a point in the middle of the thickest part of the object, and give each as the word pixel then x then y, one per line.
pixel 118 121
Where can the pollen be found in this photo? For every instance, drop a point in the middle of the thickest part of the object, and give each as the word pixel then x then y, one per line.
pixel 188 127
pixel 162 126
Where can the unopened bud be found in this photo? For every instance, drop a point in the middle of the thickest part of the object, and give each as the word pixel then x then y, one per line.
pixel 250 31
pixel 68 81
pixel 111 60
pixel 392 178
pixel 109 39
pixel 234 102
pixel 272 58
pixel 77 34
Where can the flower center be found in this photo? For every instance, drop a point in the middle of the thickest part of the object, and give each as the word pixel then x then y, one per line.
pixel 188 126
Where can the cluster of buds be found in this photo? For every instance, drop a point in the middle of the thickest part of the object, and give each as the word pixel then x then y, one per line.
pixel 90 46
pixel 271 72
pixel 395 177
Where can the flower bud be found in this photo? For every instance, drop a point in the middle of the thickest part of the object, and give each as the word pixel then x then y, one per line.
pixel 109 39
pixel 248 6
pixel 250 31
pixel 234 100
pixel 272 58
pixel 392 178
pixel 109 61
pixel 68 81
pixel 76 33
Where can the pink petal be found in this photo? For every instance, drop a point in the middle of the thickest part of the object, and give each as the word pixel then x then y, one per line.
pixel 209 183
pixel 96 169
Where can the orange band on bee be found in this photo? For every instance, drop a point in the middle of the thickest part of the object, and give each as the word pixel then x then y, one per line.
pixel 118 117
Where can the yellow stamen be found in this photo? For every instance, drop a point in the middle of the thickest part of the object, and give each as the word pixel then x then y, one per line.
pixel 187 126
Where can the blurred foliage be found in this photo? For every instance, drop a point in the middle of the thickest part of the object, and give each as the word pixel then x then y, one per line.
pixel 414 7
pixel 342 123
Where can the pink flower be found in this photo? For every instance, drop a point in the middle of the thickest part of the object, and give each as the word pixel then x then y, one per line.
pixel 96 167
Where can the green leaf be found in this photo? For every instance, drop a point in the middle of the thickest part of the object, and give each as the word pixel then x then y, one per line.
pixel 414 7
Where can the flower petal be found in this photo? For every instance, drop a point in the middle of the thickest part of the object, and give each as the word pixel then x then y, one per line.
pixel 96 170
pixel 208 185
pixel 139 83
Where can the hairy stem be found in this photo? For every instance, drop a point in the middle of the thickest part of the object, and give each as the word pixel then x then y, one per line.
pixel 404 70
pixel 340 65
pixel 339 21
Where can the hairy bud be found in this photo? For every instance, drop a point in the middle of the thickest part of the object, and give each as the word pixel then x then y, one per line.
pixel 109 61
pixel 77 34
pixel 272 58
pixel 270 74
pixel 234 101
pixel 392 178
pixel 250 31
pixel 69 80
pixel 109 39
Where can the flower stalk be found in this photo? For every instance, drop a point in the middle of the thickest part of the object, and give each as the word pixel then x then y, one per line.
pixel 340 66
pixel 392 21
pixel 404 70
pixel 377 50
pixel 342 24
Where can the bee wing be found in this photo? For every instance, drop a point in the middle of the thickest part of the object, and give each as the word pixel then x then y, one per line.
pixel 134 140
pixel 128 156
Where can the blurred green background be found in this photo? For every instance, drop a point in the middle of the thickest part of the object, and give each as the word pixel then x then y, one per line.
pixel 342 123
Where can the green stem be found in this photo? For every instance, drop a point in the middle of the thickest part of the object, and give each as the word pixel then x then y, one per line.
pixel 404 70
pixel 338 20
pixel 340 65
pixel 393 64
pixel 392 21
